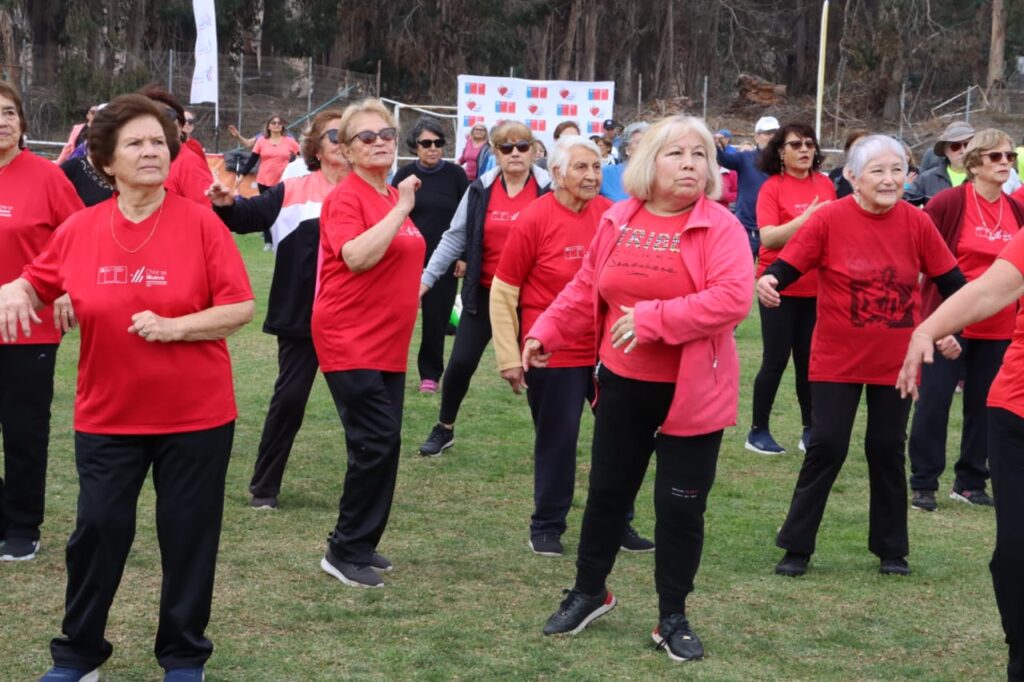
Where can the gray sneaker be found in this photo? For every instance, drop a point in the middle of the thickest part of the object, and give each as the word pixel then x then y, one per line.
pixel 355 575
pixel 19 549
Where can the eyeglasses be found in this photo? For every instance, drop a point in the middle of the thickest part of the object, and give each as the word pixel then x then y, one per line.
pixel 956 146
pixel 522 146
pixel 996 157
pixel 797 145
pixel 427 144
pixel 369 137
pixel 332 135
pixel 190 121
pixel 171 114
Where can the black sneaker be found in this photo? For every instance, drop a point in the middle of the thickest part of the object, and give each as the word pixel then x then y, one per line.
pixel 978 497
pixel 269 502
pixel 547 544
pixel 674 635
pixel 439 440
pixel 19 549
pixel 793 564
pixel 761 442
pixel 633 542
pixel 355 575
pixel 894 566
pixel 924 500
pixel 381 563
pixel 577 611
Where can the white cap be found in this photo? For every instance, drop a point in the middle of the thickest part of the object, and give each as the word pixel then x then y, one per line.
pixel 766 124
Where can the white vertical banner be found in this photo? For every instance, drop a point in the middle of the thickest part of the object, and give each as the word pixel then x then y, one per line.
pixel 541 105
pixel 204 78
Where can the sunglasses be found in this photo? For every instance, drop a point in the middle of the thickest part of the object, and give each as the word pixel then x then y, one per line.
pixel 171 114
pixel 369 137
pixel 956 146
pixel 996 157
pixel 427 144
pixel 797 145
pixel 333 135
pixel 522 146
pixel 190 121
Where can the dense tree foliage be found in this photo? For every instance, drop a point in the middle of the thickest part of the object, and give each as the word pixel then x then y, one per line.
pixel 665 47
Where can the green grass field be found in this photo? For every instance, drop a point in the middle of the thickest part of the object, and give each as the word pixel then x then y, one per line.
pixel 467 599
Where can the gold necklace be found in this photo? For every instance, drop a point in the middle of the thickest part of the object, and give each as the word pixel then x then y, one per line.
pixel 146 241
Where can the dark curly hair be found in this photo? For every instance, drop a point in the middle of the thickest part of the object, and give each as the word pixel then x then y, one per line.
pixel 771 156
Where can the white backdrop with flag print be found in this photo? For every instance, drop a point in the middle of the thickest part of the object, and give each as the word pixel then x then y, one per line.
pixel 541 105
pixel 204 78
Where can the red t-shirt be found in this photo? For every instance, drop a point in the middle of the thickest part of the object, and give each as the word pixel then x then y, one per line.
pixel 868 296
pixel 644 265
pixel 783 198
pixel 365 320
pixel 196 146
pixel 127 385
pixel 544 251
pixel 273 158
pixel 982 237
pixel 1007 390
pixel 190 177
pixel 35 198
pixel 502 213
pixel 1019 195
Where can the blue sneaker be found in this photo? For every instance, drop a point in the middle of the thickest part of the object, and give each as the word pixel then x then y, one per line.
pixel 761 441
pixel 59 673
pixel 184 675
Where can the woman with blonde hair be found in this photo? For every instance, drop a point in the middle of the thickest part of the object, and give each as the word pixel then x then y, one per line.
pixel 665 282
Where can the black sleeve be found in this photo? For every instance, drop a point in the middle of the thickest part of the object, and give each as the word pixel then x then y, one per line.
pixel 401 174
pixel 784 272
pixel 253 215
pixel 250 164
pixel 950 282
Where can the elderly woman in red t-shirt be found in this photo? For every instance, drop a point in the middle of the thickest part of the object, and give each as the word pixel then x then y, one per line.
pixel 665 282
pixel 869 249
pixel 792 193
pixel 157 284
pixel 35 198
pixel 976 220
pixel 998 287
pixel 542 255
pixel 363 315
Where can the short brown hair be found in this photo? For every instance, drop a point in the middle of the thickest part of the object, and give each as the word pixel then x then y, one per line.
pixel 266 126
pixel 311 145
pixel 983 142
pixel 106 128
pixel 160 95
pixel 8 90
pixel 560 128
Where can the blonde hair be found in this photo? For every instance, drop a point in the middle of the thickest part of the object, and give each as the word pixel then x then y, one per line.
pixel 641 172
pixel 983 142
pixel 510 131
pixel 367 106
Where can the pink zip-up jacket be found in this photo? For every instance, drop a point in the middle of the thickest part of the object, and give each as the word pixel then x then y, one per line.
pixel 715 252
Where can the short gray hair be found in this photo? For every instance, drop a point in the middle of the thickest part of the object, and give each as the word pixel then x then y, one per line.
pixel 635 127
pixel 559 156
pixel 867 148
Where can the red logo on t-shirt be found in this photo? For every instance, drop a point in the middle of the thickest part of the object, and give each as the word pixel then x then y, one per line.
pixel 882 301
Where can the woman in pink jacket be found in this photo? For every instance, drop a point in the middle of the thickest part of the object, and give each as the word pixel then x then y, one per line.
pixel 665 282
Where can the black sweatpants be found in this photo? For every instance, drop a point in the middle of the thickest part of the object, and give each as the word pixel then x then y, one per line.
pixel 785 331
pixel 26 391
pixel 556 396
pixel 436 305
pixel 188 474
pixel 835 406
pixel 267 237
pixel 1006 459
pixel 629 414
pixel 369 403
pixel 297 368
pixel 978 364
pixel 471 339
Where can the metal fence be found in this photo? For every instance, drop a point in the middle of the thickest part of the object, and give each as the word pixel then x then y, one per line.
pixel 59 86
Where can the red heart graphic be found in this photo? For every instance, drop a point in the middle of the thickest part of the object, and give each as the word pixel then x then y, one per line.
pixel 472 105
pixel 564 93
pixel 533 108
pixel 503 90
pixel 594 111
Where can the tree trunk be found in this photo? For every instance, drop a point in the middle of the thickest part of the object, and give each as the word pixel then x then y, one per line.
pixel 996 82
pixel 590 40
pixel 569 46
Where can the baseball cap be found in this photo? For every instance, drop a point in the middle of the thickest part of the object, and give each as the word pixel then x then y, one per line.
pixel 957 131
pixel 610 124
pixel 725 132
pixel 766 124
